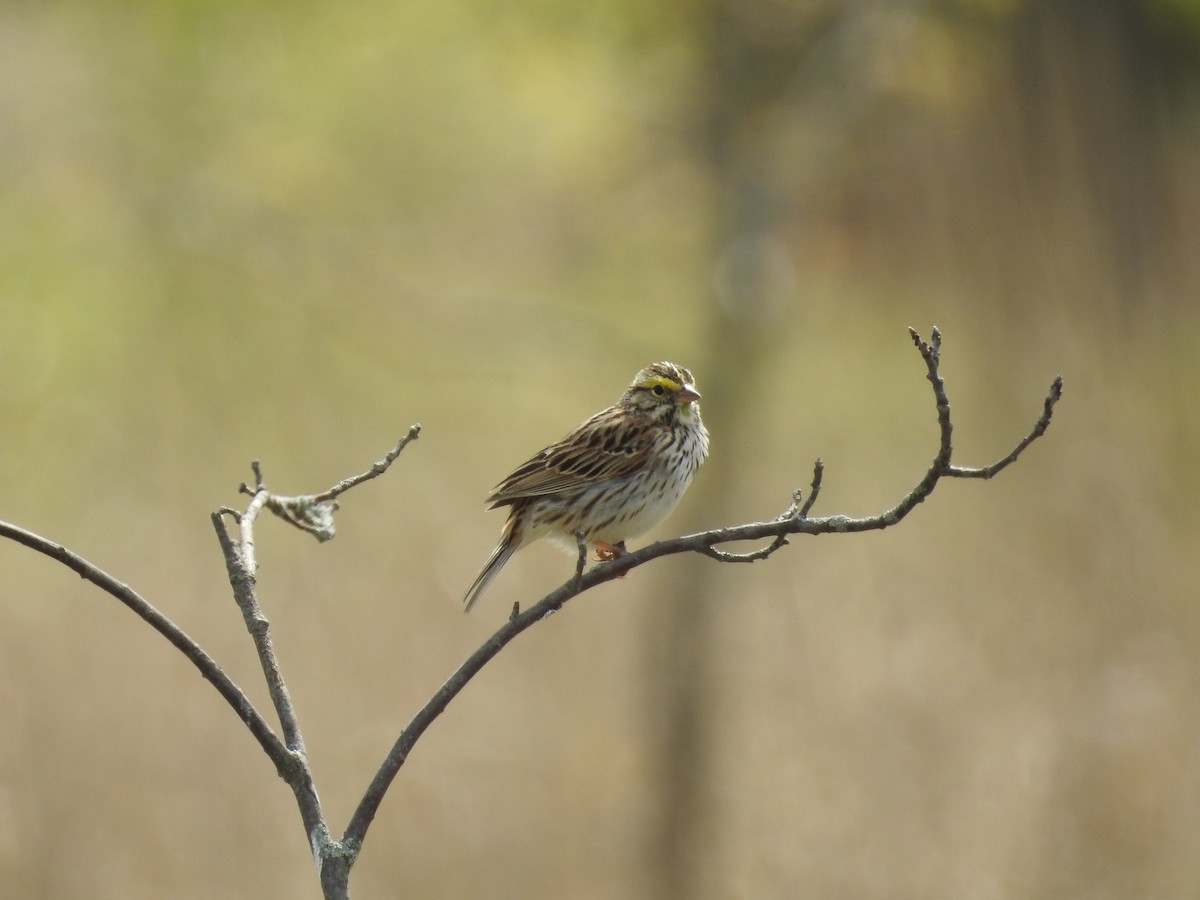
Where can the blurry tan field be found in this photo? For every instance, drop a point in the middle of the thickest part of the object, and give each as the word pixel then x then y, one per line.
pixel 286 233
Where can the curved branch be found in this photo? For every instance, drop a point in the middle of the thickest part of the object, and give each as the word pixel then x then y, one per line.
pixel 207 666
pixel 1039 429
pixel 794 520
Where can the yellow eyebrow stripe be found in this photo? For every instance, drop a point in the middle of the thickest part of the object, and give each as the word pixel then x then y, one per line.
pixel 669 383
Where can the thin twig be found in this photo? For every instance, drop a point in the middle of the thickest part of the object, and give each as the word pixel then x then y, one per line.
pixel 374 472
pixel 1039 429
pixel 815 490
pixel 314 512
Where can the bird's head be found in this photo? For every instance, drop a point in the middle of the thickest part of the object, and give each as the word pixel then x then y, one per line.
pixel 663 391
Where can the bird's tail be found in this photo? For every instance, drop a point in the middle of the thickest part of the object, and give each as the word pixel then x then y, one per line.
pixel 506 548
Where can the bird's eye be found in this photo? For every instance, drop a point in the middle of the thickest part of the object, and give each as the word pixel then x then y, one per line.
pixel 659 390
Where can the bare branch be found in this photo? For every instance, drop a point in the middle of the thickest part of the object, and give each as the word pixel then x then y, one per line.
pixel 314 512
pixel 815 489
pixel 208 667
pixel 375 471
pixel 779 543
pixel 240 566
pixel 1039 428
pixel 794 511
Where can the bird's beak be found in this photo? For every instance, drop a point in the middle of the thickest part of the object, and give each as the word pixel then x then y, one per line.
pixel 687 394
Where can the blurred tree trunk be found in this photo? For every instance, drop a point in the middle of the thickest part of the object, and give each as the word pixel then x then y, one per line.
pixel 1089 78
pixel 753 58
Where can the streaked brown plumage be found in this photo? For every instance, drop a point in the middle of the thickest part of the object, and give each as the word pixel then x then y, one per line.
pixel 614 477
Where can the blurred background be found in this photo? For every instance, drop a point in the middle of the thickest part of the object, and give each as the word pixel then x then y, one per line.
pixel 236 231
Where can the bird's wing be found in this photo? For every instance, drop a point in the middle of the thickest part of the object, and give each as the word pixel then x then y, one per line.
pixel 608 445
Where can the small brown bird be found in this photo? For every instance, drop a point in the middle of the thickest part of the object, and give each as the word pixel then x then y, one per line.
pixel 614 477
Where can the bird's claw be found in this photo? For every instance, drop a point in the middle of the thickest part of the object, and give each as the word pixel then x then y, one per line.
pixel 606 552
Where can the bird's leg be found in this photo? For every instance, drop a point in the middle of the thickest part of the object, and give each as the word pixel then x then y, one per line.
pixel 606 552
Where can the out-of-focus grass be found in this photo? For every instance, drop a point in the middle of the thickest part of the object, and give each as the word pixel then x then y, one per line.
pixel 286 234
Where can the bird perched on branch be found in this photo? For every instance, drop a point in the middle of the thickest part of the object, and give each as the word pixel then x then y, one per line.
pixel 613 478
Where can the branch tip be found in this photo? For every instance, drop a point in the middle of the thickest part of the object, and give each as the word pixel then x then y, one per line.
pixel 1056 392
pixel 931 350
pixel 814 489
pixel 375 470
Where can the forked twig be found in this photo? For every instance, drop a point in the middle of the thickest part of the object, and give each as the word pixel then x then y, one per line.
pixel 313 514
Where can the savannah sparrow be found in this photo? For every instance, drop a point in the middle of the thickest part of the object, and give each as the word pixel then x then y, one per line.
pixel 614 477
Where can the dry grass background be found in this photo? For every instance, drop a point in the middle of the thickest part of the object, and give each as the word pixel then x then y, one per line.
pixel 256 231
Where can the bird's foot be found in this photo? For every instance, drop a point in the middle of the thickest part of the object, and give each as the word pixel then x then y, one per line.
pixel 606 552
